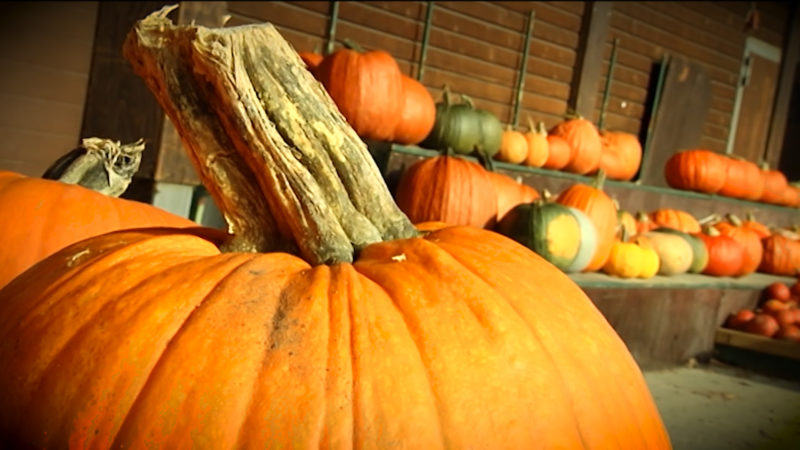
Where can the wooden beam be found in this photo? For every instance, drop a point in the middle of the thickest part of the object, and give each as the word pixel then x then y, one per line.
pixel 783 96
pixel 589 62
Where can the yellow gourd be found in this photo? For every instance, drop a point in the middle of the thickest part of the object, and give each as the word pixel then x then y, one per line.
pixel 674 252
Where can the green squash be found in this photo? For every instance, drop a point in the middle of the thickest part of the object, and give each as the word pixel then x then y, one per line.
pixel 560 234
pixel 462 128
pixel 674 252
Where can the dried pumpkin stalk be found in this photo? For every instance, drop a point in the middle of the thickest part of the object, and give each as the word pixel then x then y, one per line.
pixel 268 142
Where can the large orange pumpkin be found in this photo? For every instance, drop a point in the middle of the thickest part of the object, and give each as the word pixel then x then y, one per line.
pixel 368 89
pixel 621 154
pixel 584 141
pixel 752 249
pixel 448 189
pixel 600 209
pixel 419 113
pixel 774 185
pixel 696 170
pixel 39 217
pixel 457 338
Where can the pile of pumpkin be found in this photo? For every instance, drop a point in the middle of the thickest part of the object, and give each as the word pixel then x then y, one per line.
pixel 713 173
pixel 777 315
pixel 383 104
pixel 584 230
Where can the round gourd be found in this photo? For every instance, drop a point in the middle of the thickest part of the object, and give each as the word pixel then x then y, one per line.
pixel 725 254
pixel 625 260
pixel 456 127
pixel 650 260
pixel 491 131
pixel 455 338
pixel 513 147
pixel 553 231
pixel 674 252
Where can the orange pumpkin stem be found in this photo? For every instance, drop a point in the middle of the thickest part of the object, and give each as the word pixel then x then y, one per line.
pixel 268 142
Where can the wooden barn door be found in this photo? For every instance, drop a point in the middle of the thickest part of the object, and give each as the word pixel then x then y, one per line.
pixel 754 102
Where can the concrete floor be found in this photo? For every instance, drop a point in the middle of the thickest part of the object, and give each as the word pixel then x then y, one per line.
pixel 715 406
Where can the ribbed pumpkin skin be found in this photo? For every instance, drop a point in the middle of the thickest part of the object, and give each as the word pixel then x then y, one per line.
pixel 621 154
pixel 558 153
pixel 419 113
pixel 600 209
pixel 451 346
pixel 584 141
pixel 774 186
pixel 448 189
pixel 368 89
pixel 781 256
pixel 39 217
pixel 510 193
pixel 696 170
pixel 676 219
pixel 752 249
pixel 725 255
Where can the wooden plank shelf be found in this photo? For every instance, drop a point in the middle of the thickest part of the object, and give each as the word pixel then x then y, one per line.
pixel 756 343
pixel 754 281
pixel 393 159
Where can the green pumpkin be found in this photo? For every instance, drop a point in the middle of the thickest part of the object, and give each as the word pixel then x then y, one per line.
pixel 554 231
pixel 699 250
pixel 464 129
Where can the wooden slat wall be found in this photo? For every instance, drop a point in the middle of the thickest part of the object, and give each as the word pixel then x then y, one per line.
pixel 475 47
pixel 45 63
pixel 711 33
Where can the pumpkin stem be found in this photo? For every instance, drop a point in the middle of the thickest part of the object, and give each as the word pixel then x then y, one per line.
pixel 599 180
pixel 485 160
pixel 540 128
pixel 446 95
pixel 710 219
pixel 466 99
pixel 710 230
pixel 547 195
pixel 352 45
pixel 268 142
pixel 734 219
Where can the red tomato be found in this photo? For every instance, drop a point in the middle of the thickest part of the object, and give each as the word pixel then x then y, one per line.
pixel 778 290
pixel 762 324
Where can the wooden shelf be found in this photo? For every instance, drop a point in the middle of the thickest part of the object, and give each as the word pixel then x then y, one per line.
pixel 392 159
pixel 756 343
pixel 755 281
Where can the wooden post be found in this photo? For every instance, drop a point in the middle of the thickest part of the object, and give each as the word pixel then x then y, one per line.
pixel 523 71
pixel 423 52
pixel 594 31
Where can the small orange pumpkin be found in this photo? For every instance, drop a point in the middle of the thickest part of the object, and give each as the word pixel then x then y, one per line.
pixel 584 142
pixel 538 145
pixel 513 147
pixel 558 153
pixel 419 113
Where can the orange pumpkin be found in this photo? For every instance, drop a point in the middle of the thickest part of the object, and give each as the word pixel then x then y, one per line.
pixel 774 185
pixel 676 219
pixel 39 217
pixel 600 209
pixel 510 193
pixel 419 113
pixel 737 181
pixel 696 170
pixel 558 154
pixel 781 255
pixel 621 154
pixel 449 189
pixel 538 145
pixel 454 338
pixel 752 224
pixel 367 87
pixel 752 250
pixel 725 254
pixel 311 60
pixel 584 142
pixel 513 147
